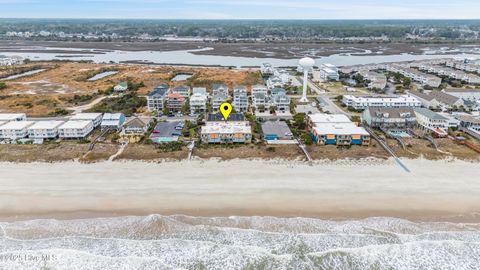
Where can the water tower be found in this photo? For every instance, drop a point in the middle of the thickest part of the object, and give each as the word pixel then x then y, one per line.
pixel 306 63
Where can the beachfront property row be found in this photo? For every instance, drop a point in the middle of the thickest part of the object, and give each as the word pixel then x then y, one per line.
pixel 336 129
pixel 216 130
pixel 403 119
pixel 174 99
pixel 16 126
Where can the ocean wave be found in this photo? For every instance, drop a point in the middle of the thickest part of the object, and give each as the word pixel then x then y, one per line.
pixel 245 243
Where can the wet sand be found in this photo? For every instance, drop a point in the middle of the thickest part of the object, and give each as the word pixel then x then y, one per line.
pixel 434 190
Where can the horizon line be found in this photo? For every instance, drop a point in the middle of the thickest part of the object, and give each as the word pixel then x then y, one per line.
pixel 246 19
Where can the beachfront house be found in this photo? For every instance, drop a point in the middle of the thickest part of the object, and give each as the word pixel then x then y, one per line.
pixel 96 118
pixel 157 97
pixel 382 117
pixel 240 99
pixel 430 120
pixel 336 129
pixel 78 129
pixel 136 127
pixel 218 132
pixel 15 130
pixel 44 129
pixel 165 132
pixel 121 87
pixel 113 121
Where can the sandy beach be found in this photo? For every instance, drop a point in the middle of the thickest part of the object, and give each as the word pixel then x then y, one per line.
pixel 433 190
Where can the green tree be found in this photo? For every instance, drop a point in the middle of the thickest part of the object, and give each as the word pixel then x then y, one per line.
pixel 3 85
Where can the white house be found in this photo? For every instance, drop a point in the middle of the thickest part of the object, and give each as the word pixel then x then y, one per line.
pixel 121 87
pixel 44 130
pixel 198 103
pixel 329 72
pixel 78 129
pixel 7 117
pixel 15 130
pixel 113 121
pixel 96 118
pixel 240 99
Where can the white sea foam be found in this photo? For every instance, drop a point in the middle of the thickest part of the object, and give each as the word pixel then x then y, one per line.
pixel 164 242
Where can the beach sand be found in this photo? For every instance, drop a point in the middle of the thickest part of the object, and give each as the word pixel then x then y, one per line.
pixel 433 190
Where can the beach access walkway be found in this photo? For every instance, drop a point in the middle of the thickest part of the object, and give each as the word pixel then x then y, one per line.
pixel 387 148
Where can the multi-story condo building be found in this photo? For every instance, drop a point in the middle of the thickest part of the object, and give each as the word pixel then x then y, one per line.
pixel 259 89
pixel 362 102
pixel 175 102
pixel 398 118
pixel 431 120
pixel 14 130
pixel 472 95
pixel 78 129
pixel 235 130
pixel 198 102
pixel 281 101
pixel 336 129
pixel 329 72
pixel 240 99
pixel 438 100
pixel 96 118
pixel 219 96
pixel 44 130
pixel 157 97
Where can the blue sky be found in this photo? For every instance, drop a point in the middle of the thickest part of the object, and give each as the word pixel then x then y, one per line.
pixel 242 9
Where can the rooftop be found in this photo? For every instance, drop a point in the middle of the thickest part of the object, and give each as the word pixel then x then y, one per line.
pixel 11 116
pixel 16 125
pixel 219 117
pixel 85 116
pixel 75 124
pixel 340 129
pixel 46 125
pixel 227 127
pixel 430 114
pixel 387 112
pixel 329 118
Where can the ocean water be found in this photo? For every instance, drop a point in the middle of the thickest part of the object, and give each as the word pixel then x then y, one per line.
pixel 185 242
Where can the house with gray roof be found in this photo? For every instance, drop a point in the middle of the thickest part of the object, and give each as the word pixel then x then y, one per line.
pixel 157 97
pixel 438 100
pixel 386 118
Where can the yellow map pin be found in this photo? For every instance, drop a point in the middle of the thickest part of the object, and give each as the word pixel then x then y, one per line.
pixel 226 109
